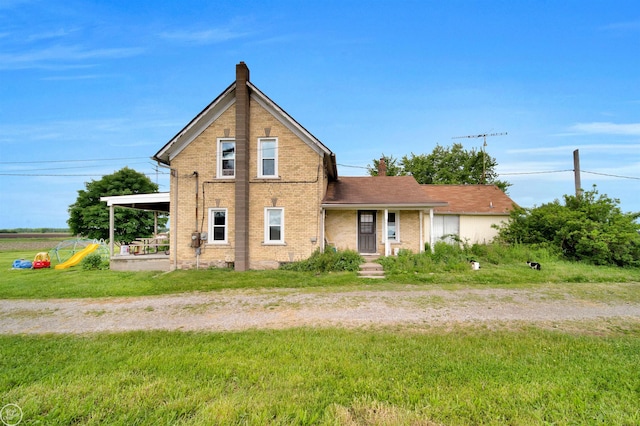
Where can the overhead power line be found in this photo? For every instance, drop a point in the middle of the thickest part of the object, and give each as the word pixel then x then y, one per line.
pixel 68 175
pixel 73 161
pixel 610 175
pixel 60 168
pixel 536 173
pixel 353 167
pixel 46 175
pixel 526 173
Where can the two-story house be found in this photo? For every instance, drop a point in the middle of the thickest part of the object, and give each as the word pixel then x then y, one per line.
pixel 251 187
pixel 246 183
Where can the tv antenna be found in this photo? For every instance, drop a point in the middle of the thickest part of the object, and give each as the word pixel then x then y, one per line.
pixel 484 145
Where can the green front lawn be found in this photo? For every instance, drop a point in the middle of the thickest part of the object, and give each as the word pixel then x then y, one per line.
pixel 76 282
pixel 465 375
pixel 461 376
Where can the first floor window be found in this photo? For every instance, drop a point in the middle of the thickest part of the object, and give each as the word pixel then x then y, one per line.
pixel 217 226
pixel 226 158
pixel 392 227
pixel 446 228
pixel 274 225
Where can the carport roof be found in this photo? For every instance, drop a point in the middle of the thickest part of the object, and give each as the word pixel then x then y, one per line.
pixel 158 201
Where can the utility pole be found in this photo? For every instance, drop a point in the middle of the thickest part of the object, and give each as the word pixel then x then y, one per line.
pixel 484 145
pixel 576 173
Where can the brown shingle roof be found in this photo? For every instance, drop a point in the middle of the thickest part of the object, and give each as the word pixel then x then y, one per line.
pixel 392 191
pixel 471 199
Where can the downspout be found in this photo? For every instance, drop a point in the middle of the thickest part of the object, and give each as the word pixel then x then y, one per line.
pixel 322 237
pixel 197 249
pixel 197 186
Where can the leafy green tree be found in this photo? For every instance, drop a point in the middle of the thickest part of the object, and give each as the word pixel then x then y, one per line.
pixel 445 165
pixel 589 227
pixel 89 216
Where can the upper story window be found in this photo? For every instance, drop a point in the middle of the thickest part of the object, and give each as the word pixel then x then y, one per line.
pixel 268 157
pixel 218 226
pixel 393 227
pixel 226 158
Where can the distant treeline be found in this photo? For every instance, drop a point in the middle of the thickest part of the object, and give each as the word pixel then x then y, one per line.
pixel 35 231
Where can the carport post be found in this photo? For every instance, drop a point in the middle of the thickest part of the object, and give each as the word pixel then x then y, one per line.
pixel 111 229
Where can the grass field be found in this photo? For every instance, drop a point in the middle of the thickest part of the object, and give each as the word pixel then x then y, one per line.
pixel 325 376
pixel 519 375
pixel 76 283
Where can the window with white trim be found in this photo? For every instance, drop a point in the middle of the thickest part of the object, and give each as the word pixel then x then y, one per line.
pixel 268 157
pixel 393 227
pixel 226 158
pixel 274 225
pixel 218 226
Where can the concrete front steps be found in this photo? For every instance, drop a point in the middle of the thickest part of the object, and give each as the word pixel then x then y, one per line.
pixel 371 269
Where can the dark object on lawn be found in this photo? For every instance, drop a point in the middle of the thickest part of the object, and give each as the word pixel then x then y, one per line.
pixel 534 265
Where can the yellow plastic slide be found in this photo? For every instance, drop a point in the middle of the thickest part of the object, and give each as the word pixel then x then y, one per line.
pixel 76 258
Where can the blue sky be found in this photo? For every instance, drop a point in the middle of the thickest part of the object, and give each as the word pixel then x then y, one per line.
pixel 88 87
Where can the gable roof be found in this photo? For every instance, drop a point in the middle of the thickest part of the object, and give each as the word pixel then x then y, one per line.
pixel 398 192
pixel 471 199
pixel 223 102
pixel 196 126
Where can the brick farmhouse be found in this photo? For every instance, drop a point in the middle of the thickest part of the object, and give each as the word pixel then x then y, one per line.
pixel 252 188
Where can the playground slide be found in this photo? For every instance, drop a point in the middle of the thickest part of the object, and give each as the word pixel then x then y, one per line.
pixel 76 258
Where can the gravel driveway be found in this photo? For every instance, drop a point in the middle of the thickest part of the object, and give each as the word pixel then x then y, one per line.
pixel 282 308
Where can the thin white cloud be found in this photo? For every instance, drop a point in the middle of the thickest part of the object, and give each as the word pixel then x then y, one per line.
pixel 623 26
pixel 62 130
pixel 620 148
pixel 78 130
pixel 128 144
pixel 74 77
pixel 62 56
pixel 8 4
pixel 50 35
pixel 284 38
pixel 607 128
pixel 519 167
pixel 210 36
pixel 629 172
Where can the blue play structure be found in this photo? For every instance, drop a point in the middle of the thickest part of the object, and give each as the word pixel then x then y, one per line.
pixel 22 264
